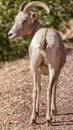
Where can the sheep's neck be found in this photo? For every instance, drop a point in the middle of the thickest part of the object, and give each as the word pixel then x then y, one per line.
pixel 36 27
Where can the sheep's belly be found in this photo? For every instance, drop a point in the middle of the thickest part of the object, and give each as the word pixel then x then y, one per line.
pixel 44 70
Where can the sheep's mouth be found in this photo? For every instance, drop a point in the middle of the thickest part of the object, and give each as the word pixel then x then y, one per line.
pixel 15 36
pixel 12 35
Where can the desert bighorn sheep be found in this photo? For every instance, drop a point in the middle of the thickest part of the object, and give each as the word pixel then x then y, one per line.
pixel 46 51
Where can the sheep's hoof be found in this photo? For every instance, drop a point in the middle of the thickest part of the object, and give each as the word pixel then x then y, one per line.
pixel 48 121
pixel 32 121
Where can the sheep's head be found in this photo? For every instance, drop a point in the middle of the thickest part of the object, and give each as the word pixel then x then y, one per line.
pixel 24 20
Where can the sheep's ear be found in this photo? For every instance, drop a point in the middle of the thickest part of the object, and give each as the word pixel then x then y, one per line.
pixel 33 14
pixel 23 6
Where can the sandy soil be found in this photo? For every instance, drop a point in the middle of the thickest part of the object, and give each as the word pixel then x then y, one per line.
pixel 16 97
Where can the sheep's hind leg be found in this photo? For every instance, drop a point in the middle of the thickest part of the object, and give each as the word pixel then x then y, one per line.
pixel 53 104
pixel 49 93
pixel 33 116
pixel 38 93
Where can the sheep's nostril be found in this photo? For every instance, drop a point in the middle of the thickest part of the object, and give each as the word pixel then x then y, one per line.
pixel 9 34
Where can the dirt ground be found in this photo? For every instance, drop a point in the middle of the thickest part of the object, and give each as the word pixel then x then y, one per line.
pixel 16 97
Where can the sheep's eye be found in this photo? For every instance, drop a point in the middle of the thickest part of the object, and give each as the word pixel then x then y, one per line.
pixel 24 21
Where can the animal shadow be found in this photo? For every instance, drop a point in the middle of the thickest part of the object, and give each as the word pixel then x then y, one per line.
pixel 64 119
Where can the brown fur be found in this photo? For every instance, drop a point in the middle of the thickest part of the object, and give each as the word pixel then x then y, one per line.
pixel 47 56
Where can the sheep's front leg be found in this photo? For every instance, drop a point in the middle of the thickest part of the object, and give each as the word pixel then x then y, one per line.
pixel 49 93
pixel 33 116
